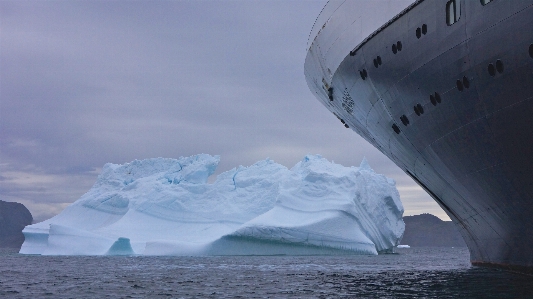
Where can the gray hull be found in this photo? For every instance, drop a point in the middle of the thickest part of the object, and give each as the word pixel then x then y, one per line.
pixel 452 106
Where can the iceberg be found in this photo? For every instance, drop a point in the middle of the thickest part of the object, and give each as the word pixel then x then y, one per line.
pixel 167 207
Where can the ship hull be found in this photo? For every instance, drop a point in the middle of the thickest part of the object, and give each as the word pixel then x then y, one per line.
pixel 451 105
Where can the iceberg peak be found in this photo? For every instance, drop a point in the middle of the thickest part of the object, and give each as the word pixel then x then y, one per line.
pixel 309 157
pixel 365 166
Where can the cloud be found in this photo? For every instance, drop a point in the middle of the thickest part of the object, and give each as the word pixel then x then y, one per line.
pixel 84 83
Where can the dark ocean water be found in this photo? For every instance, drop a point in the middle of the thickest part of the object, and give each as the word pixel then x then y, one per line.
pixel 412 273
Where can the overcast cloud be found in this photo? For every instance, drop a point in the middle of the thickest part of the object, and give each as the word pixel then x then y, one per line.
pixel 83 83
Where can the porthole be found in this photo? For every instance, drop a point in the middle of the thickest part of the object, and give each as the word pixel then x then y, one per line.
pixel 330 93
pixel 363 74
pixel 418 32
pixel 346 126
pixel 437 97
pixel 459 85
pixel 499 66
pixel 416 110
pixel 492 70
pixel 342 121
pixel 396 128
pixel 531 50
pixel 379 60
pixel 394 49
pixel 405 120
pixel 433 100
pixel 375 63
pixel 466 83
pixel 424 29
pixel 420 108
pixel 399 46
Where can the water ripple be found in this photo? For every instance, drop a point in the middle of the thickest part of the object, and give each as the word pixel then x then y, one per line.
pixel 413 273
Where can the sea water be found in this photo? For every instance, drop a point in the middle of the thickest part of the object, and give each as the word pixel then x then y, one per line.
pixel 411 273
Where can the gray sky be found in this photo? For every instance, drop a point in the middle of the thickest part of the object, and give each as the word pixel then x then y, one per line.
pixel 83 83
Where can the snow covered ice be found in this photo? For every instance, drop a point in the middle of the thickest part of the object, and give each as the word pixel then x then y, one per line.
pixel 166 207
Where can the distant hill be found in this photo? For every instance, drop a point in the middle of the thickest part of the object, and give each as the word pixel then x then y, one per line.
pixel 14 217
pixel 427 230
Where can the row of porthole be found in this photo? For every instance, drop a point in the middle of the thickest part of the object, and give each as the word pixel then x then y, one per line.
pixel 423 31
pixel 377 61
pixel 498 66
pixel 420 31
pixel 492 69
pixel 461 84
pixel 465 83
pixel 397 47
pixel 435 99
pixel 419 109
pixel 363 74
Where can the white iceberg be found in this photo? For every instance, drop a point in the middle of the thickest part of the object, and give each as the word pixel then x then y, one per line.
pixel 166 207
